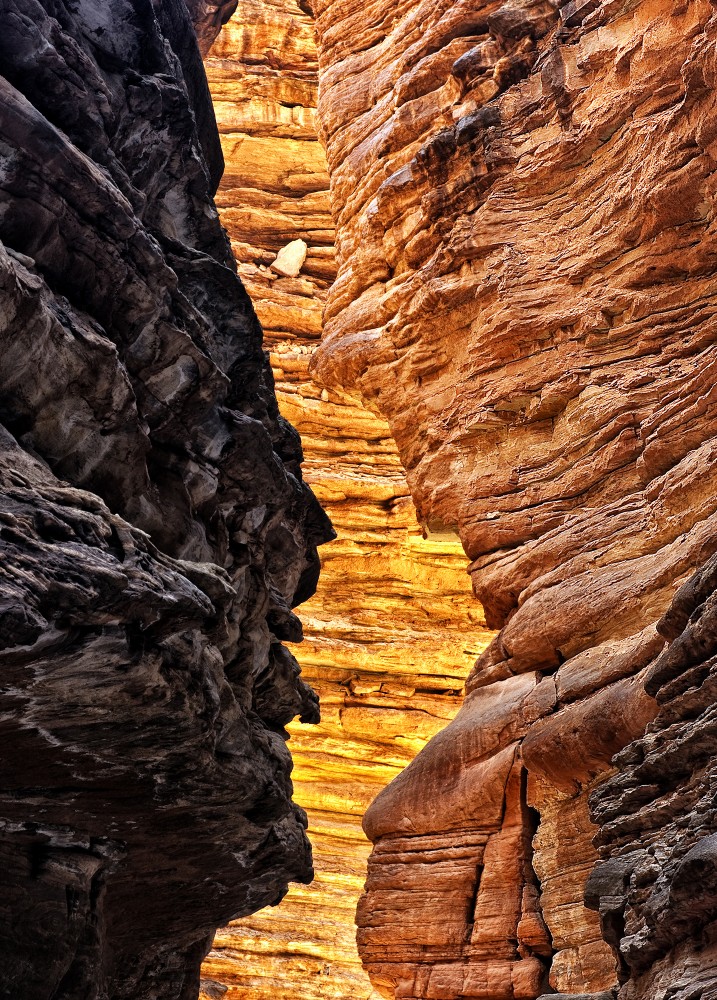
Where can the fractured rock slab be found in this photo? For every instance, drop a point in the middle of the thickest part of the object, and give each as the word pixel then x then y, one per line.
pixel 290 259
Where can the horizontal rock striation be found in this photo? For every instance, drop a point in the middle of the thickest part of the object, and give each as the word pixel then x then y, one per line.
pixel 524 200
pixel 154 527
pixel 262 72
pixel 393 629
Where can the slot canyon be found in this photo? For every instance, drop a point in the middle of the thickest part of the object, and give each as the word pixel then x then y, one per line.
pixel 358 589
pixel 393 629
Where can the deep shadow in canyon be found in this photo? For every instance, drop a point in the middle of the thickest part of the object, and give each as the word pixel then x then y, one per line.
pixel 155 528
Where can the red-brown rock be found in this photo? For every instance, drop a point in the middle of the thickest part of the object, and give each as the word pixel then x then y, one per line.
pixel 524 196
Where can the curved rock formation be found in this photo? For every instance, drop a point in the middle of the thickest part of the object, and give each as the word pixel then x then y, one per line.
pixel 154 526
pixel 392 630
pixel 524 197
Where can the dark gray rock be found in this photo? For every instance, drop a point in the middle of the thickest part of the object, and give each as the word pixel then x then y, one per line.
pixel 656 887
pixel 155 532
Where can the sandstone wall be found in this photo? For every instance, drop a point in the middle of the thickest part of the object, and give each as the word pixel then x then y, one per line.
pixel 393 629
pixel 155 530
pixel 524 201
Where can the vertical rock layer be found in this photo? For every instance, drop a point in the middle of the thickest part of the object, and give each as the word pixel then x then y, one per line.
pixel 393 629
pixel 154 526
pixel 524 200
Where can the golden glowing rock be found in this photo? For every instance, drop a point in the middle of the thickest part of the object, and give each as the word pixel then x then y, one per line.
pixel 393 630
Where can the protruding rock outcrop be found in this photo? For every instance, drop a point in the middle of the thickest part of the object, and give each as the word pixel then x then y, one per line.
pixel 524 199
pixel 154 526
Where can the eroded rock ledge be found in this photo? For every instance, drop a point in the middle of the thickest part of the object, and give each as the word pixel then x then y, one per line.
pixel 154 526
pixel 524 197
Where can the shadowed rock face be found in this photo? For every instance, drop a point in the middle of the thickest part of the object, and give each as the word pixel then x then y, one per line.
pixel 154 528
pixel 208 17
pixel 656 884
pixel 524 198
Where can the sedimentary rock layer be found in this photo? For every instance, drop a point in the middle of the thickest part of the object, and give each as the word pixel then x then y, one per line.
pixel 393 629
pixel 524 200
pixel 384 651
pixel 154 526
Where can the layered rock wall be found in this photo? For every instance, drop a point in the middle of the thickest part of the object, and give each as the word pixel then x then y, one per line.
pixel 524 199
pixel 393 629
pixel 154 526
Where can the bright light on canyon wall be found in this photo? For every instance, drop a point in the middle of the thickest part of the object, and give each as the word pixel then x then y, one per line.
pixel 393 629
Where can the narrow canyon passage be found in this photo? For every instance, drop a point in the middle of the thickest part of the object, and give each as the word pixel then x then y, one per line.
pixel 518 280
pixel 393 629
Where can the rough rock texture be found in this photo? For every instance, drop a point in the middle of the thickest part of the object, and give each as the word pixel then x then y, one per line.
pixel 656 884
pixel 208 17
pixel 262 73
pixel 524 198
pixel 393 628
pixel 154 528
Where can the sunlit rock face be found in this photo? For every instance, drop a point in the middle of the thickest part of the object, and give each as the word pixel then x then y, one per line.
pixel 524 200
pixel 154 526
pixel 393 629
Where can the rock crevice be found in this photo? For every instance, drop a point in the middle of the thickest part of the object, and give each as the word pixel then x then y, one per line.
pixel 392 630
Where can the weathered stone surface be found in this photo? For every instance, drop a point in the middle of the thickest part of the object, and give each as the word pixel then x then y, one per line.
pixel 154 526
pixel 208 17
pixel 524 200
pixel 393 629
pixel 473 287
pixel 263 76
pixel 656 884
